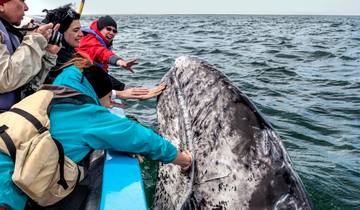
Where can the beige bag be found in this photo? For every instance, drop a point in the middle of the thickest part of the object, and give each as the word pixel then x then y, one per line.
pixel 41 169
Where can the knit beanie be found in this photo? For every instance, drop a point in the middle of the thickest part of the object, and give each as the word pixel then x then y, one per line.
pixel 105 21
pixel 99 80
pixel 3 1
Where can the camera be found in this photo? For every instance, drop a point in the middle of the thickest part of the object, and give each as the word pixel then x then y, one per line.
pixel 55 38
pixel 34 23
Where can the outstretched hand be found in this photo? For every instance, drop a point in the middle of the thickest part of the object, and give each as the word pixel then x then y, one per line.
pixel 132 93
pixel 155 91
pixel 127 64
pixel 184 160
pixel 141 92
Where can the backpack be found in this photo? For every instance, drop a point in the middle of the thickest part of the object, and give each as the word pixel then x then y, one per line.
pixel 41 170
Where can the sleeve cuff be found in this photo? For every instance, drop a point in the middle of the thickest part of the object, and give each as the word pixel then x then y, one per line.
pixel 113 95
pixel 113 59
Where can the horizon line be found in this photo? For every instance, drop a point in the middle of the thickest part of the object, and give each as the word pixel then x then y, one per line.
pixel 255 14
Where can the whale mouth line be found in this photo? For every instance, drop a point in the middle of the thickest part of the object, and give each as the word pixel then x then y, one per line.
pixel 212 179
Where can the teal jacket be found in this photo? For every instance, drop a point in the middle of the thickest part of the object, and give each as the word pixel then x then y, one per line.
pixel 81 128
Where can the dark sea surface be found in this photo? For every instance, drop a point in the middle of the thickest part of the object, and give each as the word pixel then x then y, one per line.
pixel 303 73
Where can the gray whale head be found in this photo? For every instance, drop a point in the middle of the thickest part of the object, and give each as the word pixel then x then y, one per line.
pixel 239 160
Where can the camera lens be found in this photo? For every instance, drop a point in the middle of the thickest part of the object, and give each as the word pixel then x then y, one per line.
pixel 55 38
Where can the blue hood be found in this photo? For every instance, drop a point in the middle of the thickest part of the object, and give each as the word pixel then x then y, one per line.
pixel 71 77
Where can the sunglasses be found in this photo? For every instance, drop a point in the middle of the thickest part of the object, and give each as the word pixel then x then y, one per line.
pixel 111 29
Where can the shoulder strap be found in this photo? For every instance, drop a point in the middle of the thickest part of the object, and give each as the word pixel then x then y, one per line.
pixel 62 180
pixel 37 124
pixel 63 94
pixel 77 100
pixel 8 142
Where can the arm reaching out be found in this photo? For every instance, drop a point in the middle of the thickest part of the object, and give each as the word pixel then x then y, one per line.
pixel 141 92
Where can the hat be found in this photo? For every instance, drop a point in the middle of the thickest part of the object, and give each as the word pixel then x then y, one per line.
pixel 105 21
pixel 64 15
pixel 99 80
pixel 3 1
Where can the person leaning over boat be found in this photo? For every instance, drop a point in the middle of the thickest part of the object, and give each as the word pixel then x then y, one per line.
pixel 24 60
pixel 69 20
pixel 97 43
pixel 103 130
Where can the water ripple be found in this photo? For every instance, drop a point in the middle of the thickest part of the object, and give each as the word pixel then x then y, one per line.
pixel 301 71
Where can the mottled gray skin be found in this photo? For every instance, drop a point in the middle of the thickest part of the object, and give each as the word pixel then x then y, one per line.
pixel 239 160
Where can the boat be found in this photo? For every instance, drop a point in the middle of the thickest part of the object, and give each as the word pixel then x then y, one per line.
pixel 122 186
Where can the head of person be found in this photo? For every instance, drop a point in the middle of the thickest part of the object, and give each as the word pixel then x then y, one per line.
pixel 69 21
pixel 101 83
pixel 13 11
pixel 107 27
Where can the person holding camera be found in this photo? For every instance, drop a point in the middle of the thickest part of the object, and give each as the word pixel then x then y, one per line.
pixel 24 60
pixel 24 63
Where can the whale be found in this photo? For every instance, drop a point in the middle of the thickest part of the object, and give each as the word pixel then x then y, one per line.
pixel 239 161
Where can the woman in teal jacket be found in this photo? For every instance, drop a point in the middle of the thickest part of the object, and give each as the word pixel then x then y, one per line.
pixel 81 128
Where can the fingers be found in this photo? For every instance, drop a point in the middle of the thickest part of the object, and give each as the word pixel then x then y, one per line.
pixel 129 69
pixel 184 160
pixel 56 27
pixel 157 90
pixel 189 161
pixel 160 87
pixel 155 93
pixel 133 62
pixel 53 49
pixel 46 27
pixel 140 90
pixel 140 158
pixel 129 64
pixel 47 30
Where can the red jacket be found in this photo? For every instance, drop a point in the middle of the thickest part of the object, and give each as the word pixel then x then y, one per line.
pixel 98 53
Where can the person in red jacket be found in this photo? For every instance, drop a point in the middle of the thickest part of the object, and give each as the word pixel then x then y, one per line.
pixel 97 43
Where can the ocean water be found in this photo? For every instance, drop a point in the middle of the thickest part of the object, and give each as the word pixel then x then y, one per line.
pixel 303 73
